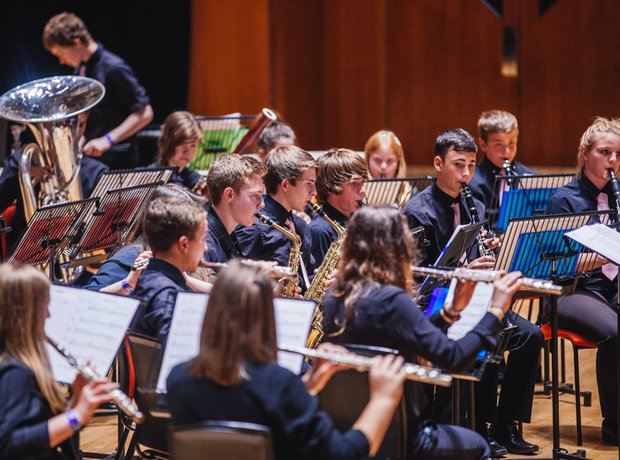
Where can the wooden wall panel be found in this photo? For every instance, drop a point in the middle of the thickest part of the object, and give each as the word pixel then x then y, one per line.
pixel 570 71
pixel 229 68
pixel 443 66
pixel 297 68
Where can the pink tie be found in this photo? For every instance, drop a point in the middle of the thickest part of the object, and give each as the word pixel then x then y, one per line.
pixel 291 225
pixel 602 204
pixel 457 214
pixel 503 186
pixel 82 70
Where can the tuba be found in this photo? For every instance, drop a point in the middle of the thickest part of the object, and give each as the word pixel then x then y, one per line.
pixel 49 107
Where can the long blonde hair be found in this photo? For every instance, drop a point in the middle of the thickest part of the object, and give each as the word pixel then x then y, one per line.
pixel 24 295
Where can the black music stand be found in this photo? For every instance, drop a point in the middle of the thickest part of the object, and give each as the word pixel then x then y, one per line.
pixel 536 246
pixel 526 196
pixel 610 252
pixel 395 191
pixel 116 212
pixel 121 178
pixel 459 243
pixel 50 231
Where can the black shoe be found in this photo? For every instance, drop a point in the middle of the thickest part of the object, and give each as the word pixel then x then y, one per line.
pixel 609 432
pixel 497 450
pixel 510 436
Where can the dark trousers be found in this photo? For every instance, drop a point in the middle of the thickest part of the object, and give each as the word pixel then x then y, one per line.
pixel 517 393
pixel 589 315
pixel 446 442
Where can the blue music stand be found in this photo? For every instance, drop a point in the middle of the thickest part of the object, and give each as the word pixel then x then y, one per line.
pixel 527 196
pixel 536 246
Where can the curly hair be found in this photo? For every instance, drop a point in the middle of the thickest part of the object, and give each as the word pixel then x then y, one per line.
pixel 378 249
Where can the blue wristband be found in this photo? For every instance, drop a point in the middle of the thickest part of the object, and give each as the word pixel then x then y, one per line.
pixel 74 423
pixel 109 139
pixel 125 285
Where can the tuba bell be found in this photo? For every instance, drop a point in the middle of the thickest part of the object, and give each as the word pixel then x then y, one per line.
pixel 50 108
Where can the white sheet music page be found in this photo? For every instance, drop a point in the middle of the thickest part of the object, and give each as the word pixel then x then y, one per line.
pixel 293 319
pixel 599 238
pixel 473 313
pixel 89 325
pixel 184 337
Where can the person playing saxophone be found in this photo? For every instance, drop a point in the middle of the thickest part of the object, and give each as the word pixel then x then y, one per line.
pixel 290 184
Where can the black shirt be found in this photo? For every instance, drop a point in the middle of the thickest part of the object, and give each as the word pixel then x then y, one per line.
pixel 157 289
pixel 323 234
pixel 262 242
pixel 186 177
pixel 24 413
pixel 432 209
pixel 221 246
pixel 270 396
pixel 580 195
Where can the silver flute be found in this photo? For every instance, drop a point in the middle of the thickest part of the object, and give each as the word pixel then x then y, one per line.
pixel 487 276
pixel 360 363
pixel 122 401
pixel 277 271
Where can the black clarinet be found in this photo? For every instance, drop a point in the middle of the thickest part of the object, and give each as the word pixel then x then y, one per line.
pixel 473 213
pixel 615 188
pixel 508 169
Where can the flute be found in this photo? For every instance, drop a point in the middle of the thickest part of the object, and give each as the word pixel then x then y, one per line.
pixel 360 363
pixel 277 271
pixel 122 401
pixel 486 276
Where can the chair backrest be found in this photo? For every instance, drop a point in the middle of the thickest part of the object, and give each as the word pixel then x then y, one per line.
pixel 345 406
pixel 221 440
pixel 145 355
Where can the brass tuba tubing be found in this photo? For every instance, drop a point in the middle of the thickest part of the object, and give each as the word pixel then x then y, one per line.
pixel 487 276
pixel 122 401
pixel 360 363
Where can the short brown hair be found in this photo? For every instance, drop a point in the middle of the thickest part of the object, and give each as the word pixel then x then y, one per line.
pixel 63 28
pixel 272 133
pixel 238 327
pixel 335 168
pixel 289 162
pixel 178 128
pixel 231 171
pixel 496 121
pixel 166 219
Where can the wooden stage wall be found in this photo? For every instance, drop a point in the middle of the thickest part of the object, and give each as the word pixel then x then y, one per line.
pixel 338 70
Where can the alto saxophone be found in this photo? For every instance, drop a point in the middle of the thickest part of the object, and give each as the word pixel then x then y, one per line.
pixel 289 287
pixel 317 287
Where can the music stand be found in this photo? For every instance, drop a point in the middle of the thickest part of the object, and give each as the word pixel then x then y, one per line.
pixel 607 245
pixel 523 196
pixel 395 191
pixel 116 212
pixel 117 179
pixel 49 231
pixel 459 243
pixel 536 246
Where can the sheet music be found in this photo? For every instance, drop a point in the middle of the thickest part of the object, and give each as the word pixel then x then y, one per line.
pixel 599 238
pixel 89 325
pixel 473 313
pixel 184 337
pixel 292 318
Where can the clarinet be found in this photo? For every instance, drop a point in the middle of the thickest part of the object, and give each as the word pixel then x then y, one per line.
pixel 122 401
pixel 473 212
pixel 508 169
pixel 615 187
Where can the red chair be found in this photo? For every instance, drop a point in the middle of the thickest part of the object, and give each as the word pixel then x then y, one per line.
pixel 578 343
pixel 8 214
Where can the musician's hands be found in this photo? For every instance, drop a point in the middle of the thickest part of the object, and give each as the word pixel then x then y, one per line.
pixel 386 378
pixel 96 147
pixel 322 370
pixel 482 263
pixel 91 395
pixel 277 290
pixel 505 285
pixel 462 294
pixel 198 285
pixel 493 243
pixel 330 279
pixel 139 265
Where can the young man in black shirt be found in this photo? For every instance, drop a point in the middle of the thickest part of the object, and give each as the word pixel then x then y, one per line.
pixel 124 110
pixel 439 208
